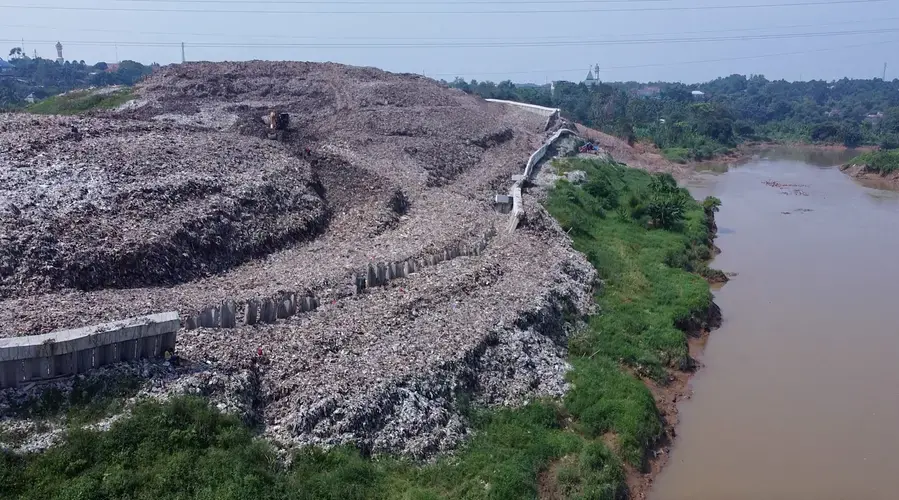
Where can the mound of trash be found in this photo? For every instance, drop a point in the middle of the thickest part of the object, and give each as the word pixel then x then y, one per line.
pixel 99 203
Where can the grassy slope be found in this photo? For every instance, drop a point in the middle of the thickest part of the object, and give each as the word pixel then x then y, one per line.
pixel 74 103
pixel 882 161
pixel 183 449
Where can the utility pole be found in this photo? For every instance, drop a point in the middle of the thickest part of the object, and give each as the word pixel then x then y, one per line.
pixel 116 53
pixel 884 78
pixel 183 59
pixel 596 67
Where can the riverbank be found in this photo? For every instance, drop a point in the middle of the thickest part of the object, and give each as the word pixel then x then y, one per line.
pixel 878 169
pixel 657 310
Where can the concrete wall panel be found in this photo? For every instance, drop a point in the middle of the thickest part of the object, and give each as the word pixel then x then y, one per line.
pixel 67 352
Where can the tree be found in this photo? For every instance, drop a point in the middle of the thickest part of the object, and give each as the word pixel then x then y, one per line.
pixel 15 52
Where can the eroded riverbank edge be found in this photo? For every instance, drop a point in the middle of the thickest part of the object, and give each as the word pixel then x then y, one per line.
pixel 668 399
pixel 871 179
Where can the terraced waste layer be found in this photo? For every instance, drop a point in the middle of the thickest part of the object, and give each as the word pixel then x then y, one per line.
pixel 177 201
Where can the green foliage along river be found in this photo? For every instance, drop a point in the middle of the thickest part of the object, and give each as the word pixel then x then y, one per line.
pixel 725 112
pixel 646 237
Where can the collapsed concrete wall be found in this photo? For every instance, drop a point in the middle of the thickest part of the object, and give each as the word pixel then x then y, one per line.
pixel 231 313
pixel 533 161
pixel 553 115
pixel 69 352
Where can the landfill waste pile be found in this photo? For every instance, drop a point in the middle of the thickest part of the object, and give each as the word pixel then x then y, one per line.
pixel 179 201
pixel 93 203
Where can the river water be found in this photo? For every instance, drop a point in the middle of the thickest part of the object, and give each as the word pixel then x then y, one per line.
pixel 798 397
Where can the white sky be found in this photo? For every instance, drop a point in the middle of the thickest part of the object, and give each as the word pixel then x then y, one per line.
pixel 77 29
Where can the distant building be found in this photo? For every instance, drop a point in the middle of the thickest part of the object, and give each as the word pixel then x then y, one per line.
pixel 874 118
pixel 590 80
pixel 59 57
pixel 648 92
pixel 5 66
pixel 30 99
pixel 698 95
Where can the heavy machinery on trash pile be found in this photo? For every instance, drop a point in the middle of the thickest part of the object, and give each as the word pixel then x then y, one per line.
pixel 277 124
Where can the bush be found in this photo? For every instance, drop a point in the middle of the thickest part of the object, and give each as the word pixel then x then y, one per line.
pixel 890 141
pixel 677 155
pixel 710 204
pixel 883 161
pixel 667 203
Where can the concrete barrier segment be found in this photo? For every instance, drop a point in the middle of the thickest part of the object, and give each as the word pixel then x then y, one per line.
pixel 68 352
pixel 269 313
pixel 252 312
pixel 372 277
pixel 229 314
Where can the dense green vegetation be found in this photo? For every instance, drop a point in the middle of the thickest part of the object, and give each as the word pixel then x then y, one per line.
pixel 882 162
pixel 41 78
pixel 82 101
pixel 643 234
pixel 732 110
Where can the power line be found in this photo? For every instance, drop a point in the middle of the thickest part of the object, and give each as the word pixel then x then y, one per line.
pixel 479 12
pixel 677 63
pixel 393 2
pixel 497 44
pixel 545 37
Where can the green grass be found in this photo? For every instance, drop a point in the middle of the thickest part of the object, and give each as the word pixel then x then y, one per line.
pixel 882 161
pixel 184 449
pixel 78 102
pixel 647 291
pixel 677 155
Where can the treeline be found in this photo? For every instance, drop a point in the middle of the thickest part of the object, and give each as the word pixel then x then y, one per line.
pixel 729 111
pixel 22 77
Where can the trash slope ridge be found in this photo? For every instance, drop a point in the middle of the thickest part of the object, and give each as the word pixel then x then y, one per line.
pixel 94 203
pixel 578 447
pixel 402 168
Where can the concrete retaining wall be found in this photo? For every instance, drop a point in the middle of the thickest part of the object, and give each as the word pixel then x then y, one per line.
pixel 530 107
pixel 69 352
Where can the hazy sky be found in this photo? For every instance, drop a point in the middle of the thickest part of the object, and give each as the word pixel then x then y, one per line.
pixel 561 42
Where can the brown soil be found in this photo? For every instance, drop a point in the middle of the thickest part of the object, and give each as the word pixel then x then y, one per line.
pixel 548 487
pixel 872 179
pixel 667 397
pixel 638 155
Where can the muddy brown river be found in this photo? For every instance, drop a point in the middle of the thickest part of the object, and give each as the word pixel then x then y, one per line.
pixel 798 397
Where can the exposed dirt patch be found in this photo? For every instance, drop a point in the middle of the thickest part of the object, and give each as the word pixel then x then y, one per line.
pixel 872 179
pixel 548 485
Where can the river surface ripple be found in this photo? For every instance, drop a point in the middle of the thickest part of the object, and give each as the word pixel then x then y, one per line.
pixel 798 397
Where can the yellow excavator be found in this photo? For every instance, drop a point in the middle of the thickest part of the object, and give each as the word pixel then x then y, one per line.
pixel 277 124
